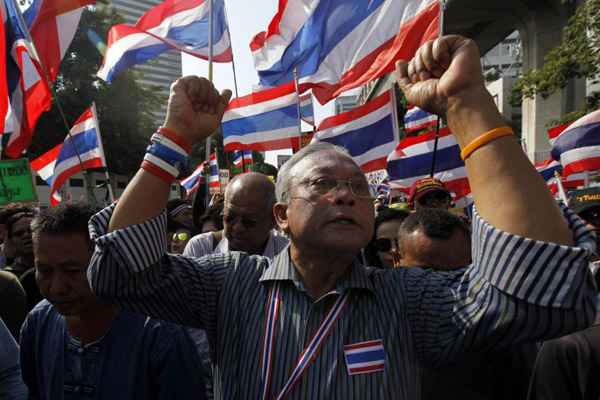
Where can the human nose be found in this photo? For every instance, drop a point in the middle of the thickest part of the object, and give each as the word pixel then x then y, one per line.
pixel 58 286
pixel 343 193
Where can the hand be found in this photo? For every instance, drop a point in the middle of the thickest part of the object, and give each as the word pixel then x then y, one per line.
pixel 441 71
pixel 195 108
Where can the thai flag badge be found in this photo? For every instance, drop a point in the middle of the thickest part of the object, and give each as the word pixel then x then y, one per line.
pixel 365 357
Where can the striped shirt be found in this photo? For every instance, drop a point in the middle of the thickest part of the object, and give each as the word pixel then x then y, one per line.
pixel 516 290
pixel 203 244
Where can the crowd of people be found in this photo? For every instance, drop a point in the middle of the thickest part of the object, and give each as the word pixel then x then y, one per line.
pixel 311 287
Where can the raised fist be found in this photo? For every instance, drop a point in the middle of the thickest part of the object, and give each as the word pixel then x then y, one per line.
pixel 195 108
pixel 442 70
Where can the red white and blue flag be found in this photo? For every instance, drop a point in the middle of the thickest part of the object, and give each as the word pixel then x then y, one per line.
pixel 577 148
pixel 238 159
pixel 28 89
pixel 412 160
pixel 81 149
pixel 193 182
pixel 337 45
pixel 247 159
pixel 213 176
pixel 548 169
pixel 307 111
pixel 417 119
pixel 263 120
pixel 172 25
pixel 365 357
pixel 369 132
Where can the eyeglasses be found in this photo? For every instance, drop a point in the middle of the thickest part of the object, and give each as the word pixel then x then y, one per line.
pixel 325 185
pixel 436 196
pixel 384 244
pixel 180 237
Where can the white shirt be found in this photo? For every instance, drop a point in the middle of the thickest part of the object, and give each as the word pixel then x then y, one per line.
pixel 202 245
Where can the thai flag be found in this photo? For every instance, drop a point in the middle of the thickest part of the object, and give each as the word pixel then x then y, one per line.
pixel 413 157
pixel 553 133
pixel 27 87
pixel 416 119
pixel 307 110
pixel 573 181
pixel 213 176
pixel 173 24
pixel 81 149
pixel 578 146
pixel 247 158
pixel 548 169
pixel 365 357
pixel 53 25
pixel 193 182
pixel 238 159
pixel 337 45
pixel 368 132
pixel 261 121
pixel 4 93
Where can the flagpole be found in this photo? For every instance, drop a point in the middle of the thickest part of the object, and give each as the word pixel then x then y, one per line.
pixel 561 189
pixel 235 84
pixel 50 86
pixel 439 118
pixel 297 86
pixel 101 145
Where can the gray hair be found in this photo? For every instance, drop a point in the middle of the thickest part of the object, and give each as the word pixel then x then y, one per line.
pixel 285 176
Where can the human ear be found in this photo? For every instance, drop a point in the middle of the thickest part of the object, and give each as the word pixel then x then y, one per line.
pixel 280 214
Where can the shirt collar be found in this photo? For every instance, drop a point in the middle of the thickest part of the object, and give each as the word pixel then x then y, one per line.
pixel 282 269
pixel 269 251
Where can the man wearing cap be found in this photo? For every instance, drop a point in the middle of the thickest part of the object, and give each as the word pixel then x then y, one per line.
pixel 314 323
pixel 429 193
pixel 586 204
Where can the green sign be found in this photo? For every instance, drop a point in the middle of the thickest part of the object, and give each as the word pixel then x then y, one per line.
pixel 16 183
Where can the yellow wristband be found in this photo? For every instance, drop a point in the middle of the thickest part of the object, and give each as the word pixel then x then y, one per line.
pixel 484 139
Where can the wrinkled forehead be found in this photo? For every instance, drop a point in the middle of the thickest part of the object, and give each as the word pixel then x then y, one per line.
pixel 329 163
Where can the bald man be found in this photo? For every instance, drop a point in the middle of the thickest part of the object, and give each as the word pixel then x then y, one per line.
pixel 247 220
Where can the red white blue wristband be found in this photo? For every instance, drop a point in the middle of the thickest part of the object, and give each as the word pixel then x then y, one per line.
pixel 165 157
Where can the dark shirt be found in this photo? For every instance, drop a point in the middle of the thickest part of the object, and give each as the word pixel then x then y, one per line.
pixel 13 302
pixel 568 368
pixel 139 358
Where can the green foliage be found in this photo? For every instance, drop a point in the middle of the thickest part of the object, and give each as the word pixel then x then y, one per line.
pixel 575 57
pixel 124 107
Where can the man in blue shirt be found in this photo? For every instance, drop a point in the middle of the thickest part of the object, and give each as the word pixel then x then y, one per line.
pixel 75 347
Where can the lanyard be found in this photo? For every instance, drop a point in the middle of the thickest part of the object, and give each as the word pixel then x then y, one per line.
pixel 307 355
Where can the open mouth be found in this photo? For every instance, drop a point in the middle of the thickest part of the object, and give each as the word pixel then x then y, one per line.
pixel 343 221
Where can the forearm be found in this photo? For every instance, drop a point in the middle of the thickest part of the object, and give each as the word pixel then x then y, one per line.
pixel 145 198
pixel 508 191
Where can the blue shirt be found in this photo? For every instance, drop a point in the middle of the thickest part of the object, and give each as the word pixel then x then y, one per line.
pixel 139 358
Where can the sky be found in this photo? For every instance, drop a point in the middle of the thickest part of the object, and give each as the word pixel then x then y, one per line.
pixel 246 19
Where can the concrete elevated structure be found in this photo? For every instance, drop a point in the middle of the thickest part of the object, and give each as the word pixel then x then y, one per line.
pixel 540 24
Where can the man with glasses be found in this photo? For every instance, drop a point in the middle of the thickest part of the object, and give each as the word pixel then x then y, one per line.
pixel 314 323
pixel 248 223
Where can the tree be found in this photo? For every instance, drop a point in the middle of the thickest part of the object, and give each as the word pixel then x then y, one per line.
pixel 575 57
pixel 124 107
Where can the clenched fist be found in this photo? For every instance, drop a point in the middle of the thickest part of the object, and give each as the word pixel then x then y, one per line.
pixel 195 108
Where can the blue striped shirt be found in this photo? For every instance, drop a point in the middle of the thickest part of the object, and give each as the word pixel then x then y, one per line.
pixel 516 290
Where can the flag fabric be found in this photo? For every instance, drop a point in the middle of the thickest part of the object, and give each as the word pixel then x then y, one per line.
pixel 53 24
pixel 573 181
pixel 369 132
pixel 214 184
pixel 413 157
pixel 172 25
pixel 44 167
pixel 365 357
pixel 337 45
pixel 417 119
pixel 28 88
pixel 82 149
pixel 238 159
pixel 548 169
pixel 263 120
pixel 4 100
pixel 193 182
pixel 307 112
pixel 554 132
pixel 578 146
pixel 247 159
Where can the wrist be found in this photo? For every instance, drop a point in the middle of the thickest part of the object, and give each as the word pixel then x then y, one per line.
pixel 472 113
pixel 167 155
